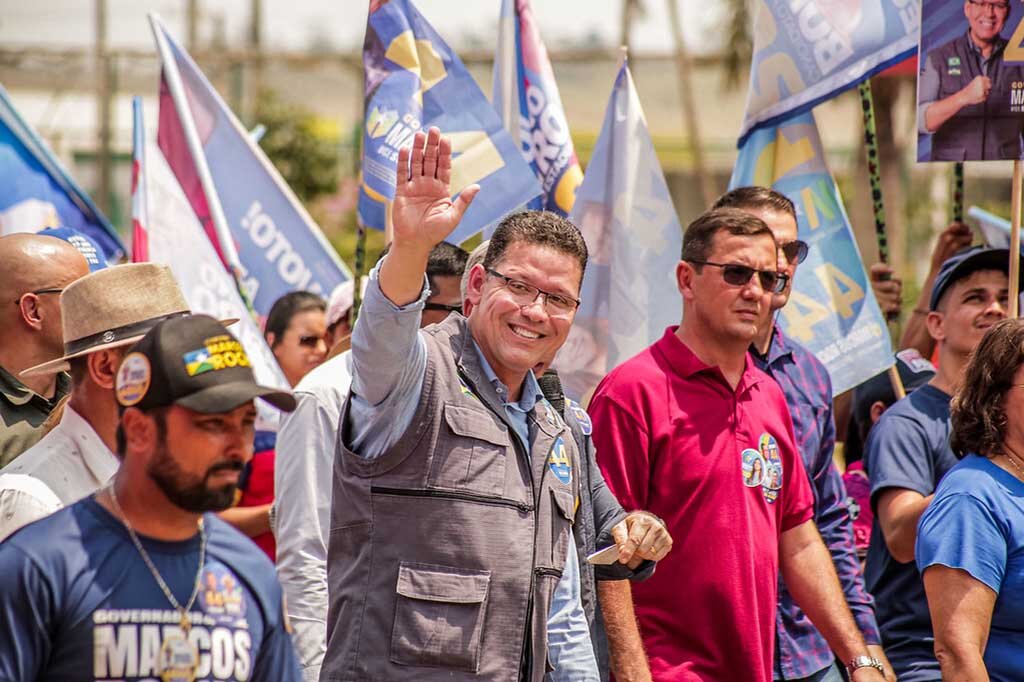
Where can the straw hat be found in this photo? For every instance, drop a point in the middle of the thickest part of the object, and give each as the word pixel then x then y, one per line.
pixel 114 307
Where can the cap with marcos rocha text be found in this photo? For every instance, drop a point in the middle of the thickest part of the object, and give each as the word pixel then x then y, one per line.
pixel 194 362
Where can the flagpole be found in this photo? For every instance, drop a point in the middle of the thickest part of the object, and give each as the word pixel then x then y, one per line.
pixel 1015 208
pixel 875 176
pixel 195 146
pixel 958 192
pixel 389 220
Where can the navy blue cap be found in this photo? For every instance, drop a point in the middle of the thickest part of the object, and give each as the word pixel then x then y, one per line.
pixel 963 263
pixel 915 371
pixel 89 249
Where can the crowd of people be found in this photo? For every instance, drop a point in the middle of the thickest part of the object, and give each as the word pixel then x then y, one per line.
pixel 432 506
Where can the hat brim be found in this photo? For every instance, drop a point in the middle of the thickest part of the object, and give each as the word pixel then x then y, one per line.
pixel 986 259
pixel 61 364
pixel 226 397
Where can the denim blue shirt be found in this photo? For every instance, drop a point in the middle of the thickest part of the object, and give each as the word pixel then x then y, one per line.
pixel 389 361
pixel 800 650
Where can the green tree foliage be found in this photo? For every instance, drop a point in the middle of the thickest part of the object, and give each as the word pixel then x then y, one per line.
pixel 304 149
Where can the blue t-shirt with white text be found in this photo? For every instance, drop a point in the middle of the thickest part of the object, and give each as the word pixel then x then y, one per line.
pixel 908 448
pixel 976 524
pixel 78 603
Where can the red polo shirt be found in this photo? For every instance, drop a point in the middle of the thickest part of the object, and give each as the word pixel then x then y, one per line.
pixel 719 466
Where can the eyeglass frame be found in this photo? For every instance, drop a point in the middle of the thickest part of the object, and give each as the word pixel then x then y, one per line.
pixel 802 249
pixel 547 294
pixel 781 278
pixel 51 290
pixel 443 307
pixel 996 6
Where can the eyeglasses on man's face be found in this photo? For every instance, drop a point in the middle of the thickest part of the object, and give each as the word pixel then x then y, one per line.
pixel 739 275
pixel 524 294
pixel 442 307
pixel 37 292
pixel 994 6
pixel 795 251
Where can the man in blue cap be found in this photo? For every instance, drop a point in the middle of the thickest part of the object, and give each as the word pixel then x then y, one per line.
pixel 907 453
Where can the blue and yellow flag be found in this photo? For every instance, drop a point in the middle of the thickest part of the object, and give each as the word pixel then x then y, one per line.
pixel 37 193
pixel 807 51
pixel 414 81
pixel 832 311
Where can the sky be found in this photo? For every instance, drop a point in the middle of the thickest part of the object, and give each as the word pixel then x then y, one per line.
pixel 296 24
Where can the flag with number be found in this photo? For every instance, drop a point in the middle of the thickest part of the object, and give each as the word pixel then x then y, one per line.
pixel 279 247
pixel 625 212
pixel 832 310
pixel 414 81
pixel 37 193
pixel 526 97
pixel 807 51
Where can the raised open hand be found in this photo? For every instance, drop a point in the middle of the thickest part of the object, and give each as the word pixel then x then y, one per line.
pixel 423 213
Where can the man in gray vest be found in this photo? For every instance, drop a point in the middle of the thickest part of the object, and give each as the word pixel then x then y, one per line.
pixel 969 101
pixel 451 552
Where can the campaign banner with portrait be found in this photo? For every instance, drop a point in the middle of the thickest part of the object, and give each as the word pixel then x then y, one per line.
pixel 526 97
pixel 970 84
pixel 414 80
pixel 832 310
pixel 807 51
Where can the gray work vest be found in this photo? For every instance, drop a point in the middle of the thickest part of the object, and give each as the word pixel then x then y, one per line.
pixel 989 130
pixel 445 551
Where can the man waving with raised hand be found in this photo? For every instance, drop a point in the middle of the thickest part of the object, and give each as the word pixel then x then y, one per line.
pixel 451 552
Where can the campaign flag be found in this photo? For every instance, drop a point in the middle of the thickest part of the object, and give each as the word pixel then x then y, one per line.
pixel 235 190
pixel 832 310
pixel 38 193
pixel 177 240
pixel 414 81
pixel 807 51
pixel 994 229
pixel 140 245
pixel 625 212
pixel 526 97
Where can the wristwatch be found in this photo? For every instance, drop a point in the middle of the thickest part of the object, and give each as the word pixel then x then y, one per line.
pixel 864 662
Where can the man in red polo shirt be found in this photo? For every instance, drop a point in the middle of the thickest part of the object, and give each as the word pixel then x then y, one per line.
pixel 691 430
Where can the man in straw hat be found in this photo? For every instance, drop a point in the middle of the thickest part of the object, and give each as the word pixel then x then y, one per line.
pixel 102 314
pixel 34 271
pixel 139 581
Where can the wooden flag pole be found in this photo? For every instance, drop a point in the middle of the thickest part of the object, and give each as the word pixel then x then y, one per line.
pixel 389 224
pixel 958 192
pixel 875 176
pixel 1015 242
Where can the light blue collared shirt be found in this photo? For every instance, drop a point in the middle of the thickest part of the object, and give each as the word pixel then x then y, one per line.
pixel 389 361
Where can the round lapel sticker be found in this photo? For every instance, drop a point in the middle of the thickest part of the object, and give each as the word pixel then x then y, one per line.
pixel 753 468
pixel 133 379
pixel 558 461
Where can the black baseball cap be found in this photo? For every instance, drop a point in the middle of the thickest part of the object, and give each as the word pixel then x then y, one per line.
pixel 194 362
pixel 915 371
pixel 962 264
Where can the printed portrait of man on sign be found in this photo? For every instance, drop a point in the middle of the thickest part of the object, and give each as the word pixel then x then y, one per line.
pixel 970 86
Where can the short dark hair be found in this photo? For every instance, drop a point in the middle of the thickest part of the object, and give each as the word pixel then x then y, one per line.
pixel 541 228
pixel 287 307
pixel 158 413
pixel 977 414
pixel 757 198
pixel 446 260
pixel 700 235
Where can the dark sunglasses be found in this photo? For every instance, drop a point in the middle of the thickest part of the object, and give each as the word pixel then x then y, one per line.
pixel 309 340
pixel 17 301
pixel 738 275
pixel 796 250
pixel 443 307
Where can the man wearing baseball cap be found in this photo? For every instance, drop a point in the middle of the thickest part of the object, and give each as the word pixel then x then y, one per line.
pixel 101 314
pixel 907 453
pixel 140 581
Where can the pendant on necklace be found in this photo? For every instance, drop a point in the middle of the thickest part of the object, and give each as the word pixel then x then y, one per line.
pixel 179 658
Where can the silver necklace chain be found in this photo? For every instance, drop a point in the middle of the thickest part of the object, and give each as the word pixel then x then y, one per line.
pixel 182 610
pixel 1014 463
